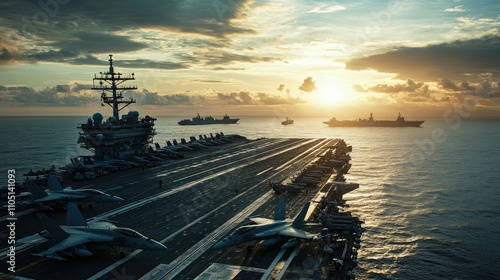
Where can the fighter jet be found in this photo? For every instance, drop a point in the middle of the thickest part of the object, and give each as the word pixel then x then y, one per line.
pixel 77 234
pixel 56 194
pixel 291 188
pixel 271 232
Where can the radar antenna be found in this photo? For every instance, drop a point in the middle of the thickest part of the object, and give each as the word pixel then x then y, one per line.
pixel 110 82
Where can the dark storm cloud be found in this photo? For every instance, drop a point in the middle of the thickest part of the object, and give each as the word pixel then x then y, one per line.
pixel 194 16
pixel 433 62
pixel 89 42
pixel 75 31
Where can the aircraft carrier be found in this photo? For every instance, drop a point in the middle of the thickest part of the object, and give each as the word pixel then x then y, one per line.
pixel 371 122
pixel 203 198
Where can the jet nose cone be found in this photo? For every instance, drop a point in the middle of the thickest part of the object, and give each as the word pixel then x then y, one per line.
pixel 155 245
pixel 116 198
pixel 220 244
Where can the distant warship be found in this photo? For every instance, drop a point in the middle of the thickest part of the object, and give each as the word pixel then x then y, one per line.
pixel 207 120
pixel 370 122
pixel 287 121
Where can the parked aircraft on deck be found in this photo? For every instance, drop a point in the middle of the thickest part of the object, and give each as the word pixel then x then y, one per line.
pixel 74 237
pixel 56 194
pixel 271 231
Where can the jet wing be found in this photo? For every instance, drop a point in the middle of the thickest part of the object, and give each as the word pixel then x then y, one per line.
pixel 70 241
pixel 293 232
pixel 261 221
pixel 57 197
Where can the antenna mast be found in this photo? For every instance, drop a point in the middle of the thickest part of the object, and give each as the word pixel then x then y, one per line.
pixel 110 82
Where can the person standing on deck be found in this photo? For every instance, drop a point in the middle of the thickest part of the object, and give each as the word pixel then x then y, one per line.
pixel 160 183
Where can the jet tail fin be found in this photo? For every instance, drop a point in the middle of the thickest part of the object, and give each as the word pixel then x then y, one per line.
pixel 74 217
pixel 53 183
pixel 280 213
pixel 36 190
pixel 55 231
pixel 299 220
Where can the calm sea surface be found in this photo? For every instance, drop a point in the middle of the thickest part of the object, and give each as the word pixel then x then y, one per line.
pixel 429 196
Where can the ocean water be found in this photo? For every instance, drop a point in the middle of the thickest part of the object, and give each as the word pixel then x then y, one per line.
pixel 429 196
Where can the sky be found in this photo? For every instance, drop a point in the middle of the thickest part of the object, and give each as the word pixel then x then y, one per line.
pixel 254 57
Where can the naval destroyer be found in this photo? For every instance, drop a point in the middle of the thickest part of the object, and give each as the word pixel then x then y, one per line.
pixel 208 120
pixel 116 137
pixel 371 122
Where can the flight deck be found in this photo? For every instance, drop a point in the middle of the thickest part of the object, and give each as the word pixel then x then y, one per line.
pixel 204 197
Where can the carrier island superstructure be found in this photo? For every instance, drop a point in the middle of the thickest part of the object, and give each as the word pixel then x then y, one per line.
pixel 116 137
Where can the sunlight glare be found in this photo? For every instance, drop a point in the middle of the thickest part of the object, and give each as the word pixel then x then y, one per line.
pixel 329 95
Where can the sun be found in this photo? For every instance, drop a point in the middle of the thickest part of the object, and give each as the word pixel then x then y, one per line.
pixel 329 95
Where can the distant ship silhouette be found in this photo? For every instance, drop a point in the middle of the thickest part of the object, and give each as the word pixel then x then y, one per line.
pixel 371 122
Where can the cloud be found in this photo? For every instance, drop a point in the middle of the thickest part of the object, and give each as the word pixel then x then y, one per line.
pixel 7 54
pixel 260 98
pixel 485 88
pixel 459 8
pixel 410 91
pixel 59 95
pixel 80 95
pixel 269 99
pixel 484 91
pixel 10 54
pixel 448 85
pixel 221 57
pixel 281 87
pixel 77 31
pixel 308 85
pixel 456 60
pixel 237 98
pixel 228 68
pixel 153 98
pixel 97 42
pixel 327 8
pixel 194 16
pixel 208 81
pixel 409 86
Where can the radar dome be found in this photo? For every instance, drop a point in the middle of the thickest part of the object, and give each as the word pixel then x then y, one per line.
pixel 97 118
